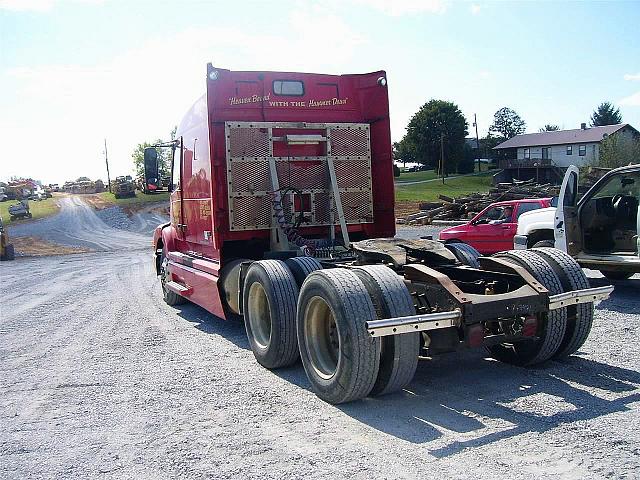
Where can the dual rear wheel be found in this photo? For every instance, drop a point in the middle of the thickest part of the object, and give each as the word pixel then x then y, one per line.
pixel 328 314
pixel 561 332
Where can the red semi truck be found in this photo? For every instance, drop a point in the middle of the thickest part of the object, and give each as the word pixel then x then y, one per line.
pixel 282 211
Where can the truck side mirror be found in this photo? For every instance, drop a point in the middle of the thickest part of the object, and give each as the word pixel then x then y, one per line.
pixel 151 180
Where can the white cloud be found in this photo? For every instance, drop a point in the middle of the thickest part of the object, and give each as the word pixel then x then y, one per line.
pixel 631 100
pixel 484 74
pixel 632 78
pixel 139 96
pixel 397 8
pixel 37 5
pixel 475 9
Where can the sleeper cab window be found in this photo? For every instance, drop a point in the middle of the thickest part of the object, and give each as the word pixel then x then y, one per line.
pixel 293 88
pixel 582 150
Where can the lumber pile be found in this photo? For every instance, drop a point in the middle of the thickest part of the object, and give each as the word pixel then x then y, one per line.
pixel 466 207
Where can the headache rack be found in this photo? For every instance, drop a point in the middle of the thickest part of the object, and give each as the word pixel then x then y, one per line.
pixel 311 161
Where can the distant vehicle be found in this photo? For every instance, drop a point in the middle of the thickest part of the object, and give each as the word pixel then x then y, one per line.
pixel 492 229
pixel 600 231
pixel 20 210
pixel 123 187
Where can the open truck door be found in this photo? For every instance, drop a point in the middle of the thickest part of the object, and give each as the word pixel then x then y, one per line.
pixel 566 226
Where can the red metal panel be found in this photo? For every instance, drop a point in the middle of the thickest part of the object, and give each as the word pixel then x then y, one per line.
pixel 204 287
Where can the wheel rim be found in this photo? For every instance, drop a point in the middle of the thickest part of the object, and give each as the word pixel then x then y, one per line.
pixel 259 315
pixel 322 339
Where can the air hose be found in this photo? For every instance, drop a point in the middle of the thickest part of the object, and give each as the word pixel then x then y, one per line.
pixel 308 246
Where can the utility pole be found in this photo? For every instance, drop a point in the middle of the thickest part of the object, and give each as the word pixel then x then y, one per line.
pixel 475 124
pixel 106 159
pixel 442 156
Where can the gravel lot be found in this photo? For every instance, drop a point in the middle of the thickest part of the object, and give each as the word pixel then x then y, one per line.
pixel 99 378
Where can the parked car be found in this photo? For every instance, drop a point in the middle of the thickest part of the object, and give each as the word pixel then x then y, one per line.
pixel 600 231
pixel 492 229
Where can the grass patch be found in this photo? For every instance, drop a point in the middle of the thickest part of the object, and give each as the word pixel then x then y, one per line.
pixel 139 198
pixel 39 209
pixel 454 187
pixel 415 176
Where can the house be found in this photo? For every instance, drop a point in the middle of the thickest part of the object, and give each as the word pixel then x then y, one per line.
pixel 546 155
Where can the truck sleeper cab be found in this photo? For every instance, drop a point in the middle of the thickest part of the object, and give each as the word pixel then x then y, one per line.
pixel 281 211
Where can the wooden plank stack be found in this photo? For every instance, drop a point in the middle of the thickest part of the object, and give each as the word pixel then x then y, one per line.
pixel 466 207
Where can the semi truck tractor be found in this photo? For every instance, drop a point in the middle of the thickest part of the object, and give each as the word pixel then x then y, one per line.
pixel 282 213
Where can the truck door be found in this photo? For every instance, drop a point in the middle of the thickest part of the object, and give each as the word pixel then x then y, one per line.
pixel 566 224
pixel 177 220
pixel 492 230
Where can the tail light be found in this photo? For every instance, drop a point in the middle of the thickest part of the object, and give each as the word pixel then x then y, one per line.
pixel 530 326
pixel 475 335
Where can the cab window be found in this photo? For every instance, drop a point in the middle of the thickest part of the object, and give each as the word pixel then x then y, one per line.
pixel 504 214
pixel 294 88
pixel 623 184
pixel 527 207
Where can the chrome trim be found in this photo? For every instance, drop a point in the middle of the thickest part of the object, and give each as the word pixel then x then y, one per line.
pixel 413 323
pixel 575 297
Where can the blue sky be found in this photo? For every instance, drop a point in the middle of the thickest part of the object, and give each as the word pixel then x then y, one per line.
pixel 75 71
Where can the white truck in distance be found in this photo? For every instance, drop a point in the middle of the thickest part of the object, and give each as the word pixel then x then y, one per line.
pixel 600 230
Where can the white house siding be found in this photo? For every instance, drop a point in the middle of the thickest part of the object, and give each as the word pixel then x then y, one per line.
pixel 559 155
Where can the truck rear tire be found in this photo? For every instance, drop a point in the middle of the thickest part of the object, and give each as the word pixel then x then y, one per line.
pixel 553 325
pixel 613 275
pixel 398 353
pixel 544 243
pixel 340 357
pixel 579 317
pixel 301 267
pixel 465 253
pixel 269 307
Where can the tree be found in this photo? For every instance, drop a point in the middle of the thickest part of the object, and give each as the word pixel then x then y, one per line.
pixel 486 147
pixel 618 151
pixel 437 125
pixel 468 161
pixel 507 123
pixel 605 114
pixel 550 127
pixel 83 179
pixel 404 151
pixel 164 157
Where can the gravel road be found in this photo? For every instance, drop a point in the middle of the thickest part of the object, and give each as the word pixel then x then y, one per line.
pixel 100 379
pixel 77 225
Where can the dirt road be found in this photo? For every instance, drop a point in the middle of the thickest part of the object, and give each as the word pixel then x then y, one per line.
pixel 77 225
pixel 100 379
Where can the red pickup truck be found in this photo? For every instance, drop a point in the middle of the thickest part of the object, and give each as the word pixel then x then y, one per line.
pixel 492 229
